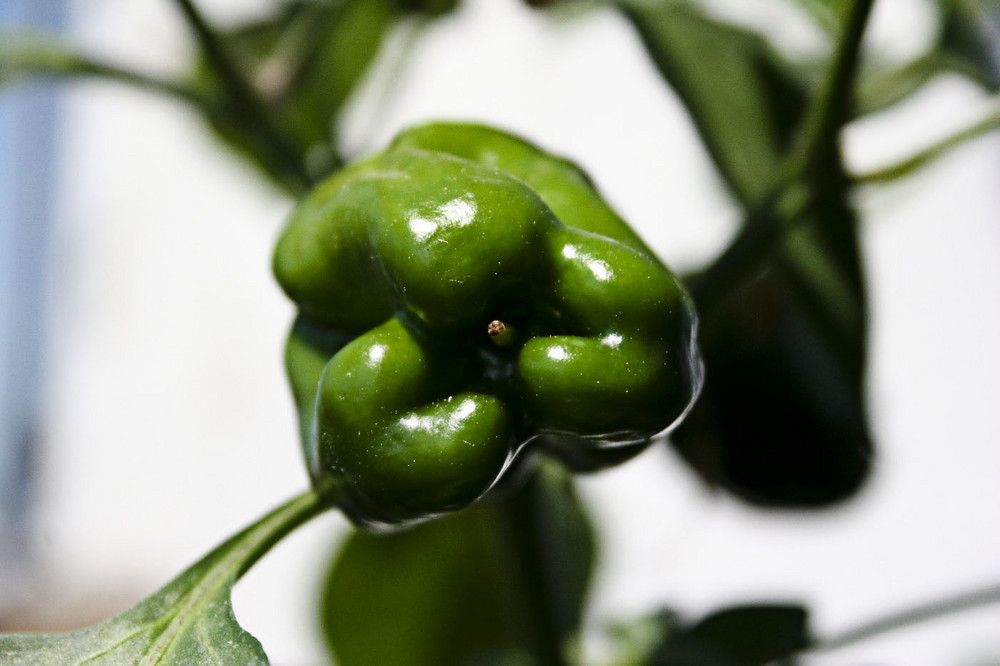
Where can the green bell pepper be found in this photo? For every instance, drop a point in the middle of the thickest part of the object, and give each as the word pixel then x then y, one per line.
pixel 460 295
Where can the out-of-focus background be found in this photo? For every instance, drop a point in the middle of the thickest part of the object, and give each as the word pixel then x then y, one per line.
pixel 144 413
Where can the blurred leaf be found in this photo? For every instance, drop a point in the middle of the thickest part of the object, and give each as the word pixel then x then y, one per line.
pixel 304 61
pixel 968 44
pixel 549 526
pixel 190 621
pixel 971 35
pixel 452 591
pixel 881 86
pixel 827 13
pixel 429 595
pixel 738 636
pixel 743 99
pixel 781 419
pixel 634 641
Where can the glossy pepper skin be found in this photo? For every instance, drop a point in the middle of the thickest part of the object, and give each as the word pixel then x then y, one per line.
pixel 462 294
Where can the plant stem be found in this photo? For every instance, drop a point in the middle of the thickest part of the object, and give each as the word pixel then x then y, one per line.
pixel 269 530
pixel 815 153
pixel 517 528
pixel 42 55
pixel 818 137
pixel 282 151
pixel 122 75
pixel 82 65
pixel 932 611
pixel 923 157
pixel 882 90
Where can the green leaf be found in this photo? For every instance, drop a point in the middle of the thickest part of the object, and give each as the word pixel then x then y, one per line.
pixel 826 13
pixel 968 44
pixel 304 61
pixel 428 595
pixel 743 99
pixel 456 590
pixel 738 636
pixel 742 94
pixel 881 86
pixel 971 36
pixel 553 544
pixel 781 419
pixel 635 640
pixel 190 621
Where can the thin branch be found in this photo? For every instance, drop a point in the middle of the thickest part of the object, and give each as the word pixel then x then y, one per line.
pixel 24 53
pixel 831 108
pixel 216 55
pixel 283 151
pixel 930 153
pixel 887 87
pixel 905 619
pixel 278 524
pixel 144 81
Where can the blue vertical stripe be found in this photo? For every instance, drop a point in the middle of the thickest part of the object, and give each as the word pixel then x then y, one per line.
pixel 28 125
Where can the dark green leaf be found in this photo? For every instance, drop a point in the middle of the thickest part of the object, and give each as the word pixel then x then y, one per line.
pixel 745 100
pixel 781 419
pixel 827 13
pixel 554 545
pixel 304 61
pixel 739 636
pixel 742 97
pixel 971 35
pixel 454 590
pixel 190 621
pixel 882 84
pixel 429 595
pixel 968 44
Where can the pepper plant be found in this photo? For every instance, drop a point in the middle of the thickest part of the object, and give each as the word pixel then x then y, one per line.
pixel 476 325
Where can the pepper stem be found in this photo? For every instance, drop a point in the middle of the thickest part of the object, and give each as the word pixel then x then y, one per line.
pixel 501 334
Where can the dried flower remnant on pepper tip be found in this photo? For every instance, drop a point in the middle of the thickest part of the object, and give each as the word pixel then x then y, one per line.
pixel 500 333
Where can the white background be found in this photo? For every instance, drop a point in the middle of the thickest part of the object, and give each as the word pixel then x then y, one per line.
pixel 169 425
